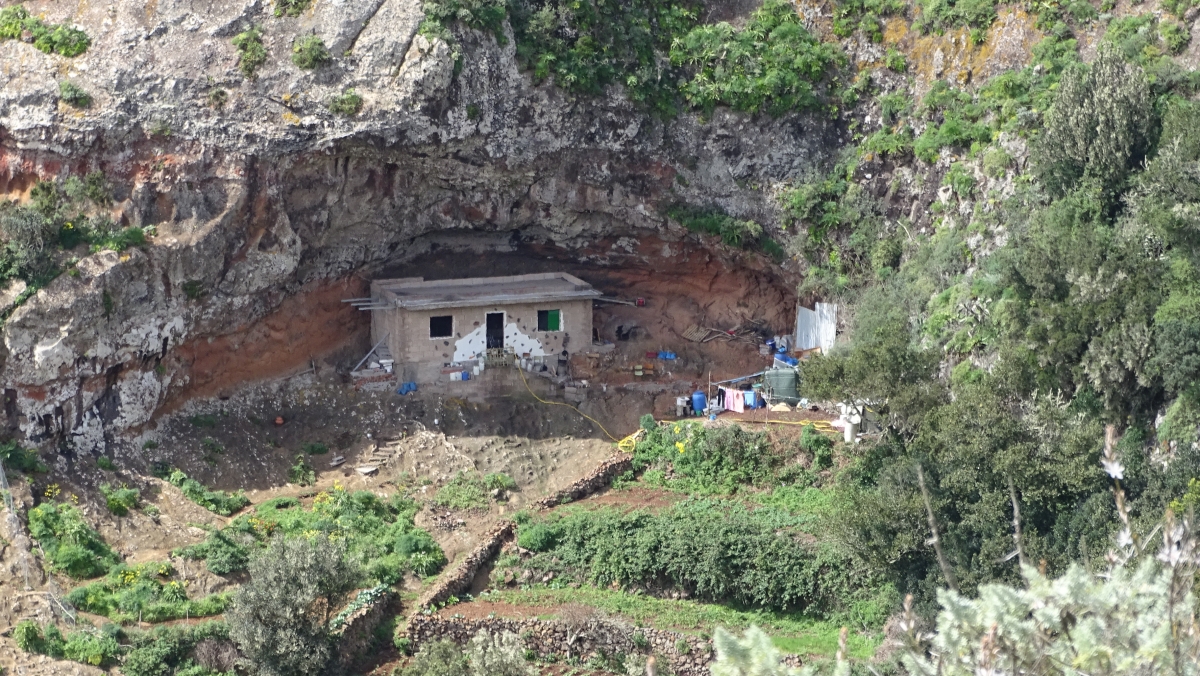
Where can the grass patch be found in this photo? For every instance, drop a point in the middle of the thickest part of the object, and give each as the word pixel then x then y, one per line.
pixel 379 535
pixel 71 545
pixel 144 593
pixel 791 632
pixel 204 420
pixel 469 490
pixel 217 502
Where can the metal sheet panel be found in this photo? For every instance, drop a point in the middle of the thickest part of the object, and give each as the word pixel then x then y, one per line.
pixel 816 328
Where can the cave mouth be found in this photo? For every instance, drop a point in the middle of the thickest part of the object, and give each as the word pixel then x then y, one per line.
pixel 665 287
pixel 680 283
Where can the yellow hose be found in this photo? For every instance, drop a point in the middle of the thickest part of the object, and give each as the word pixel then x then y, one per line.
pixel 559 403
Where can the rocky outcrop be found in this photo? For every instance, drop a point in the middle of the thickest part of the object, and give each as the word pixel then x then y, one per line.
pixel 271 195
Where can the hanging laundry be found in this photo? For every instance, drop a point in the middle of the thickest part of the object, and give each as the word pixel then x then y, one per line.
pixel 736 401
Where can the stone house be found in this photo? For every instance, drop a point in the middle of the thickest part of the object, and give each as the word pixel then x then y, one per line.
pixel 428 326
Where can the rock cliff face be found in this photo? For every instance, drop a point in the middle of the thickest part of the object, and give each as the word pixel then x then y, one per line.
pixel 272 197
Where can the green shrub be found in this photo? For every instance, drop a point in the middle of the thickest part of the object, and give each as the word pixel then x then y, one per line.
pixel 301 473
pixel 291 7
pixel 819 445
pixel 120 500
pixel 251 52
pixel 223 551
pixel 499 480
pixel 218 502
pixel 960 179
pixel 537 537
pixel 71 545
pixel 714 221
pixel 348 103
pixel 864 15
pixel 886 142
pixel 1174 35
pixel 717 549
pixel 720 460
pixel 315 448
pixel 48 38
pixel 589 45
pixel 91 647
pixel 73 95
pixel 180 650
pixel 20 459
pixel 771 65
pixel 895 60
pixel 953 132
pixel 941 15
pixel 309 52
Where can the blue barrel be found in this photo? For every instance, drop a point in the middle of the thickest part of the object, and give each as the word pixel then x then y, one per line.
pixel 699 402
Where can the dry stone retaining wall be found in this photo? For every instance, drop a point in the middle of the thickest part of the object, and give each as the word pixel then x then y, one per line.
pixel 459 580
pixel 599 478
pixel 358 633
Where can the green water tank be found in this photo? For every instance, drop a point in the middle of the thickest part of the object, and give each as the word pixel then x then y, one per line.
pixel 782 385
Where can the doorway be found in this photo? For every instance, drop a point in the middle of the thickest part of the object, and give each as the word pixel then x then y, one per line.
pixel 495 330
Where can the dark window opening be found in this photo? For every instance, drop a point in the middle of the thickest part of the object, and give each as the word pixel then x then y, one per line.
pixel 441 327
pixel 549 320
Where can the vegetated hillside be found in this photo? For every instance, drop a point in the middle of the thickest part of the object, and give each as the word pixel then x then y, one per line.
pixel 1002 199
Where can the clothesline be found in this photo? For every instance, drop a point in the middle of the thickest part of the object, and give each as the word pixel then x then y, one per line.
pixel 738 380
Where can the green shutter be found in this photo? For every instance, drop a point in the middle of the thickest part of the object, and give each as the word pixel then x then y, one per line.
pixel 552 320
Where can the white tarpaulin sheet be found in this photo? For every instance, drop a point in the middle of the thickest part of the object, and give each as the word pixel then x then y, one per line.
pixel 816 327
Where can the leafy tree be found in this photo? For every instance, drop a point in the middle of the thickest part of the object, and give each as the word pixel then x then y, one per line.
pixel 1101 126
pixel 882 368
pixel 280 618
